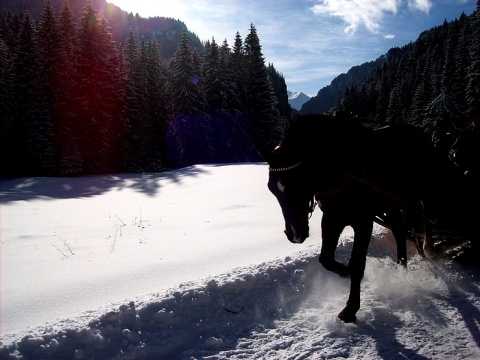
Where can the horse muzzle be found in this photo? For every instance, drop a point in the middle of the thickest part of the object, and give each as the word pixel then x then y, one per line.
pixel 296 238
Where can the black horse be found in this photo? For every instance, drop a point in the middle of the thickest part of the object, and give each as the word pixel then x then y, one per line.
pixel 357 176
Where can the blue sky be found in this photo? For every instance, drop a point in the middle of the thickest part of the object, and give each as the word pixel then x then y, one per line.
pixel 309 41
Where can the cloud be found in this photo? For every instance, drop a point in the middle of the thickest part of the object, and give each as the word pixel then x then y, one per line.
pixel 356 13
pixel 365 13
pixel 421 5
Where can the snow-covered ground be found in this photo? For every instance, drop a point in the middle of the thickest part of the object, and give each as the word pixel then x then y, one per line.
pixel 193 264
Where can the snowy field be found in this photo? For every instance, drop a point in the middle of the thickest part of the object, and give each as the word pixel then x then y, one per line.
pixel 193 264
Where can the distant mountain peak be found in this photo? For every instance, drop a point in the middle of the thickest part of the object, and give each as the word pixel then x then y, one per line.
pixel 297 99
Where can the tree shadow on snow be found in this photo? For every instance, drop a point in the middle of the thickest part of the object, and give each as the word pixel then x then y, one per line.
pixel 89 186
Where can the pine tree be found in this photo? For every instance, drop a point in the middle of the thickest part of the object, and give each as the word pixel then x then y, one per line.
pixel 99 94
pixel 68 32
pixel 449 62
pixel 33 130
pixel 212 78
pixel 156 107
pixel 49 51
pixel 188 98
pixel 238 67
pixel 69 159
pixel 394 109
pixel 473 71
pixel 261 101
pixel 130 56
pixel 462 61
pixel 6 110
pixel 231 100
pixel 419 103
pixel 280 89
pixel 133 101
pixel 49 59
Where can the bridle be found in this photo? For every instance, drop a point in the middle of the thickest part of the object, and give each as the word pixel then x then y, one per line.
pixel 312 203
pixel 287 168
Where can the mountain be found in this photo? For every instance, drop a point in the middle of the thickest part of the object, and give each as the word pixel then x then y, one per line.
pixel 328 96
pixel 166 30
pixel 297 99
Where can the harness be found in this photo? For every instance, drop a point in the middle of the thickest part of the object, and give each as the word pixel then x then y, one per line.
pixel 312 204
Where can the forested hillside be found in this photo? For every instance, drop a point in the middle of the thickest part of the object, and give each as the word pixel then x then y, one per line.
pixel 432 83
pixel 328 97
pixel 166 30
pixel 73 101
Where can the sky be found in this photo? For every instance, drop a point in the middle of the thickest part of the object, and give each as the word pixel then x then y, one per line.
pixel 183 265
pixel 309 41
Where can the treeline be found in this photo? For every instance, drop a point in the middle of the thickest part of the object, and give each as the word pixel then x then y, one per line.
pixel 432 83
pixel 72 102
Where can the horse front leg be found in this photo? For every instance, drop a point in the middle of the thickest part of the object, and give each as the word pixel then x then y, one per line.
pixel 428 243
pixel 399 231
pixel 332 227
pixel 356 266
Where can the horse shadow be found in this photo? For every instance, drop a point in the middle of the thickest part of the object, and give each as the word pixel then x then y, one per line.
pixel 388 346
pixel 469 312
pixel 462 283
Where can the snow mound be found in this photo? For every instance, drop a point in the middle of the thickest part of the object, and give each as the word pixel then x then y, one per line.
pixel 285 308
pixel 206 315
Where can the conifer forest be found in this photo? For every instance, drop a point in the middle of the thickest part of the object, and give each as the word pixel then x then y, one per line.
pixel 432 80
pixel 75 102
pixel 77 98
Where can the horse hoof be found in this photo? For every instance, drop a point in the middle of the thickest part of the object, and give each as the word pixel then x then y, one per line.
pixel 336 267
pixel 419 247
pixel 347 317
pixel 430 253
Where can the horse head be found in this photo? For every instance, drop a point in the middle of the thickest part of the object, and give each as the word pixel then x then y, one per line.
pixel 309 161
pixel 287 183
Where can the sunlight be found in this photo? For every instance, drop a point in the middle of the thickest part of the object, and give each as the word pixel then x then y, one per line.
pixel 196 15
pixel 206 19
pixel 148 8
